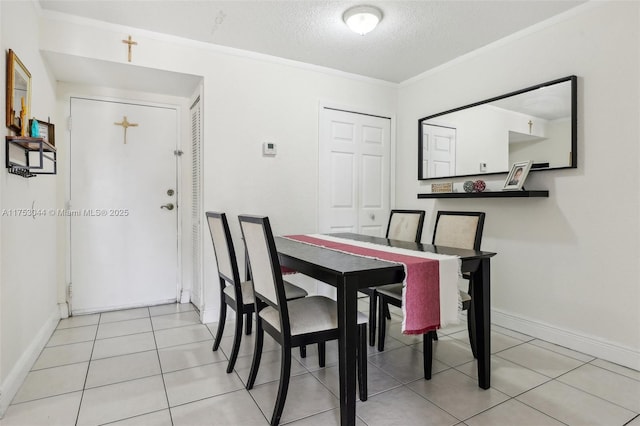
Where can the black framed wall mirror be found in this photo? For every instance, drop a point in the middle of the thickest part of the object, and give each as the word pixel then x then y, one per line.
pixel 538 123
pixel 18 92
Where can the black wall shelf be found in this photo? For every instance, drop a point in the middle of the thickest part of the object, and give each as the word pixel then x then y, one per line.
pixel 487 194
pixel 25 168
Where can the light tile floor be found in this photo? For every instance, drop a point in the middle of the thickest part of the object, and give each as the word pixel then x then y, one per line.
pixel 154 366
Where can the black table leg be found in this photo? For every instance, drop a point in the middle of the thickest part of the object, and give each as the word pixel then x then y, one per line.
pixel 347 315
pixel 481 299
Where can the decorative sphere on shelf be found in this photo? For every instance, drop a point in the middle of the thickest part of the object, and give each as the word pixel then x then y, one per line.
pixel 468 186
pixel 479 185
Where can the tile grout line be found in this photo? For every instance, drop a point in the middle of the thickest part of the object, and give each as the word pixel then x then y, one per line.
pixel 629 422
pixel 612 371
pixel 589 393
pixel 86 376
pixel 164 385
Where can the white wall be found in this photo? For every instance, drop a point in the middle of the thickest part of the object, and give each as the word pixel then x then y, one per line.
pixel 567 267
pixel 247 99
pixel 28 293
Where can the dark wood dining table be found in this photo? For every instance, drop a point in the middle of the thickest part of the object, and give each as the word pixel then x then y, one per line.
pixel 349 273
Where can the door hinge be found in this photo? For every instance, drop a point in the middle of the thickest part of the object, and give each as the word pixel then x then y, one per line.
pixel 178 153
pixel 69 124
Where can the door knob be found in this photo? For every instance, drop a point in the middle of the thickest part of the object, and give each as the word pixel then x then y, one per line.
pixel 168 206
pixel 372 216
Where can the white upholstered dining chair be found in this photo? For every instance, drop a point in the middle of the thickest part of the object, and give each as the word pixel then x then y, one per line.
pixel 404 225
pixel 291 323
pixel 236 294
pixel 458 229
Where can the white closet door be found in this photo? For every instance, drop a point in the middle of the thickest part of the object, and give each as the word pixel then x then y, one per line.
pixel 354 172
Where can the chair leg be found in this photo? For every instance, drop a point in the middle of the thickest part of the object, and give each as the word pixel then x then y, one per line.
pixel 373 309
pixel 471 328
pixel 237 338
pixel 303 351
pixel 382 324
pixel 362 363
pixel 322 351
pixel 387 311
pixel 257 354
pixel 248 318
pixel 285 375
pixel 221 321
pixel 427 341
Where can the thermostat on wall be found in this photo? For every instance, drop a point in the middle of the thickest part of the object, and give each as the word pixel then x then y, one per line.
pixel 268 148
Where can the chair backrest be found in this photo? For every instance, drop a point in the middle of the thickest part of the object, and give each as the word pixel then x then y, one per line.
pixel 224 251
pixel 459 229
pixel 405 225
pixel 263 260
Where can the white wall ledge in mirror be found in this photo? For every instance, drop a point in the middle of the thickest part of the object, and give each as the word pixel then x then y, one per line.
pixel 537 123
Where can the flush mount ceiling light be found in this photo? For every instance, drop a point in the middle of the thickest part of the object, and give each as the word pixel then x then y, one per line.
pixel 362 19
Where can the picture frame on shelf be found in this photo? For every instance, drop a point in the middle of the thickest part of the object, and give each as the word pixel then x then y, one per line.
pixel 442 187
pixel 517 175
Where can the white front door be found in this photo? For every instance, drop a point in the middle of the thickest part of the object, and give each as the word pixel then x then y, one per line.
pixel 124 249
pixel 354 172
pixel 439 155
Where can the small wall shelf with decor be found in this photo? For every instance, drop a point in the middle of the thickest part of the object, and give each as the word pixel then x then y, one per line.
pixel 40 157
pixel 487 194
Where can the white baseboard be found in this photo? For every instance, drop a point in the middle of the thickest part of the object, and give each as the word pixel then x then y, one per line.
pixel 185 296
pixel 120 307
pixel 208 316
pixel 18 373
pixel 590 345
pixel 64 310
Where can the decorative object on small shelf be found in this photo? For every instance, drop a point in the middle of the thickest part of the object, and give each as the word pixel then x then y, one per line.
pixel 479 185
pixel 45 131
pixel 517 176
pixel 35 130
pixel 442 187
pixel 468 186
pixel 24 126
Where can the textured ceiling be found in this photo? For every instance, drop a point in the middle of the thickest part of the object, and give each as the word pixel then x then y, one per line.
pixel 413 36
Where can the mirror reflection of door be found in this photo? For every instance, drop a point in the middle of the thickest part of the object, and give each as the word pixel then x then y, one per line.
pixel 439 151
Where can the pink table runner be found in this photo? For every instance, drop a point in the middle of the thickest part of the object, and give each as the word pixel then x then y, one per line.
pixel 422 289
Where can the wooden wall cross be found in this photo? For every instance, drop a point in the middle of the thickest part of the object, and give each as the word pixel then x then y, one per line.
pixel 125 124
pixel 130 43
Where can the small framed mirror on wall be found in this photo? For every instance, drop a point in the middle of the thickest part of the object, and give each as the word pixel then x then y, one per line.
pixel 18 92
